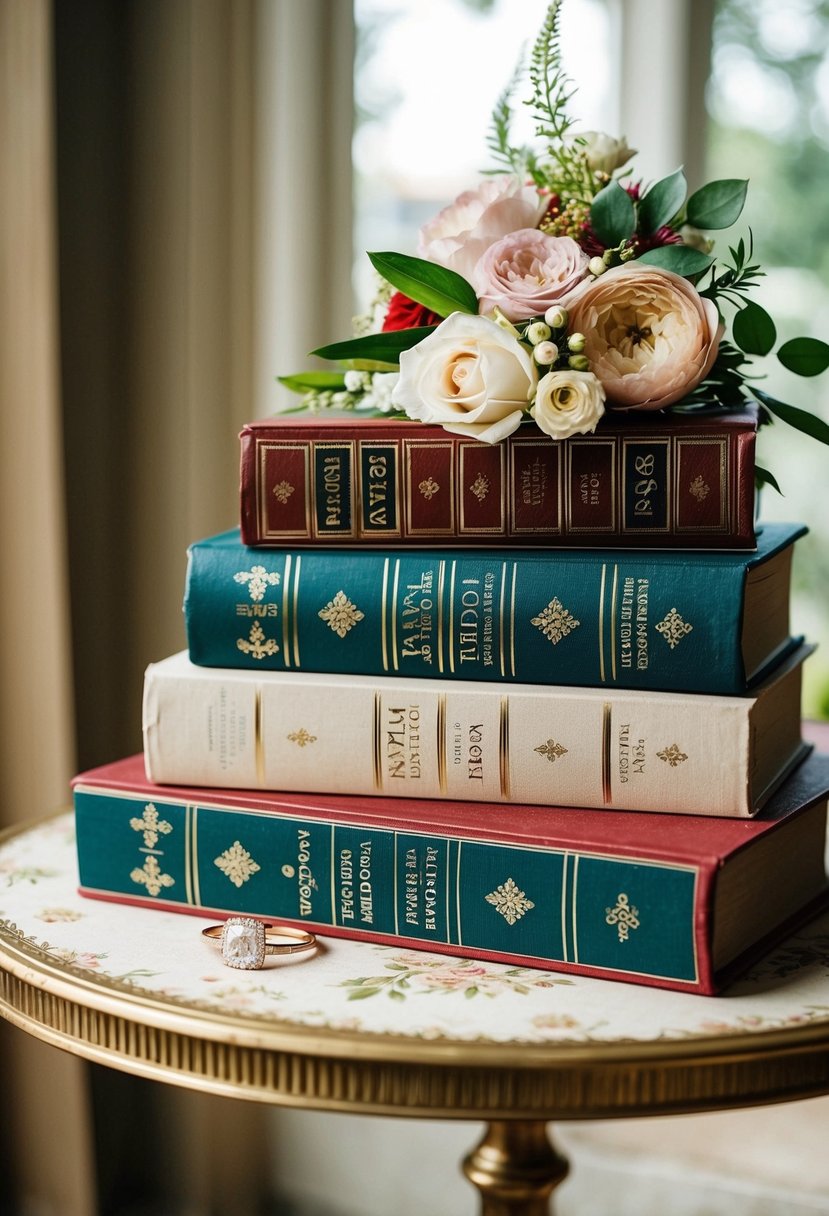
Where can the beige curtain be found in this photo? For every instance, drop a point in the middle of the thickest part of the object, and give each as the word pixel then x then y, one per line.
pixel 138 222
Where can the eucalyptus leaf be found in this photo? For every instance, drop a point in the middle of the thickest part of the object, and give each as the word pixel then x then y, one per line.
pixel 612 215
pixel 754 330
pixel 681 259
pixel 804 356
pixel 435 287
pixel 383 348
pixel 662 201
pixel 304 382
pixel 717 205
pixel 762 477
pixel 800 419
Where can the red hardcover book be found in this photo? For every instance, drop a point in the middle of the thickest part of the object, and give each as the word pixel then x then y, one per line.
pixel 658 481
pixel 667 900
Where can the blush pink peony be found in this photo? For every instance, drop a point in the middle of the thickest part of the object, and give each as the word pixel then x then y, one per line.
pixel 463 231
pixel 527 272
pixel 650 337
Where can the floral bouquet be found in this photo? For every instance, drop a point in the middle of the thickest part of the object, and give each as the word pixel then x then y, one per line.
pixel 563 287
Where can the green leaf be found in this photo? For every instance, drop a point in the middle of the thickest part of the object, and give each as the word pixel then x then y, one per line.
pixel 381 348
pixel 804 356
pixel 395 995
pixel 681 259
pixel 304 382
pixel 470 992
pixel 435 287
pixel 762 477
pixel 717 205
pixel 801 420
pixel 361 994
pixel 662 201
pixel 612 215
pixel 753 330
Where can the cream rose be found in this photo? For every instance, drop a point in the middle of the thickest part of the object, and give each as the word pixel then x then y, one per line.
pixel 527 272
pixel 470 375
pixel 604 153
pixel 650 337
pixel 568 403
pixel 464 230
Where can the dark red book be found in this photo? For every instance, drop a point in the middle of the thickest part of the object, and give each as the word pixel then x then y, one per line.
pixel 642 480
pixel 667 900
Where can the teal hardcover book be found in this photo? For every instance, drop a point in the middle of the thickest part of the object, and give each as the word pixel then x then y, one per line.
pixel 712 622
pixel 654 899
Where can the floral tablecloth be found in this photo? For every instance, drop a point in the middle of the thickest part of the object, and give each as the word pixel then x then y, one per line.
pixel 378 990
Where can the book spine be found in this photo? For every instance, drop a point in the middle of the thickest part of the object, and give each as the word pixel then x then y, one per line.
pixel 428 739
pixel 631 918
pixel 636 620
pixel 683 487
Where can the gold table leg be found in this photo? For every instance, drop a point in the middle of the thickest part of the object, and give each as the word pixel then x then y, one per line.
pixel 515 1167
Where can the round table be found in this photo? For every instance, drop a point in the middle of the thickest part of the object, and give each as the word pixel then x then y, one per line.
pixel 384 1030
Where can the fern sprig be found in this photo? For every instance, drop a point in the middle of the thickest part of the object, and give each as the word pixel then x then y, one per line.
pixel 568 174
pixel 507 155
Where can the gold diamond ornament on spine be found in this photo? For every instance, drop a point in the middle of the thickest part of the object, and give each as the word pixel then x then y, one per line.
pixel 509 901
pixel 340 614
pixel 555 622
pixel 283 491
pixel 480 487
pixel 301 737
pixel 237 864
pixel 673 628
pixel 428 488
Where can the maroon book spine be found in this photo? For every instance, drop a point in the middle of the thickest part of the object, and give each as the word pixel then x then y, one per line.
pixel 643 481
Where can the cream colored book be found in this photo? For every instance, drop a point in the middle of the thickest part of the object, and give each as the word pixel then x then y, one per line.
pixel 580 747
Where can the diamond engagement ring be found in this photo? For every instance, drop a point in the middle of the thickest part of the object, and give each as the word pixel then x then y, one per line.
pixel 246 942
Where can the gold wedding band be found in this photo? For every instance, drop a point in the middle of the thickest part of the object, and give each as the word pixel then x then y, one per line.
pixel 246 942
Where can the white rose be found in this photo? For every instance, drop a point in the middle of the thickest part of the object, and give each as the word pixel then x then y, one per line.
pixel 470 376
pixel 568 403
pixel 604 153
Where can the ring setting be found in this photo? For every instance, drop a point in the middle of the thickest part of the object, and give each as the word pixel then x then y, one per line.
pixel 246 942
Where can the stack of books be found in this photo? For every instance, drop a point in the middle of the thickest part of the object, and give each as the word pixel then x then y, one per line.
pixel 536 702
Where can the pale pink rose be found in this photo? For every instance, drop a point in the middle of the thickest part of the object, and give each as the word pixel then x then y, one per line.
pixel 650 337
pixel 464 230
pixel 471 376
pixel 527 272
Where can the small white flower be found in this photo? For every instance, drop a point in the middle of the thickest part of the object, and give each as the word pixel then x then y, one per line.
pixel 596 266
pixel 575 343
pixel 545 353
pixel 355 382
pixel 556 317
pixel 568 403
pixel 538 332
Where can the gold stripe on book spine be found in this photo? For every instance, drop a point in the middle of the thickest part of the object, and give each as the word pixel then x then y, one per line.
pixel 607 793
pixel 377 754
pixel 564 861
pixel 258 740
pixel 188 856
pixel 441 588
pixel 452 618
pixel 384 609
pixel 394 615
pixel 194 856
pixel 613 621
pixel 296 614
pixel 441 742
pixel 512 618
pixel 503 748
pixel 601 623
pixel 573 905
pixel 286 578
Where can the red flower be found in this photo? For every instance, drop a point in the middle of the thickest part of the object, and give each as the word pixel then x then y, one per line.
pixel 593 247
pixel 404 313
